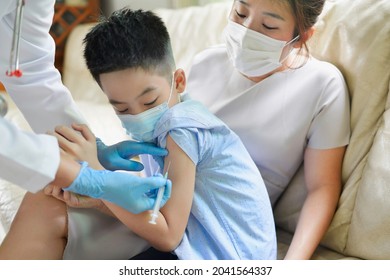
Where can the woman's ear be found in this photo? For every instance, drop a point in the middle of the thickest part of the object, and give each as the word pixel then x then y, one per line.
pixel 305 37
pixel 180 80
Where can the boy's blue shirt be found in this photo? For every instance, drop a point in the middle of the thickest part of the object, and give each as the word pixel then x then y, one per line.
pixel 231 215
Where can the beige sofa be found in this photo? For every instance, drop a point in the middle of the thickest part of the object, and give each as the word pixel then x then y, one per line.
pixel 352 34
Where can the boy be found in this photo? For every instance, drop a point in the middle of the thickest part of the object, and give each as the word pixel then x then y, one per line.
pixel 219 207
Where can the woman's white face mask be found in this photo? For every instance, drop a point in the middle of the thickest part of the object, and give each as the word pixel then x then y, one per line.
pixel 252 53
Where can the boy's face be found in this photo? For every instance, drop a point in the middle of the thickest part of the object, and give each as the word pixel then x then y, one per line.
pixel 133 91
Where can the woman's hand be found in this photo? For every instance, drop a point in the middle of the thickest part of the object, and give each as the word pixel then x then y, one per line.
pixel 79 142
pixel 120 155
pixel 75 200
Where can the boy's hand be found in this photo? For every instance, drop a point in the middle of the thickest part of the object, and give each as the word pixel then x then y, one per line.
pixel 78 142
pixel 118 156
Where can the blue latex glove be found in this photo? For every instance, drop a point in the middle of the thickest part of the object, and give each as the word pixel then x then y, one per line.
pixel 123 189
pixel 118 156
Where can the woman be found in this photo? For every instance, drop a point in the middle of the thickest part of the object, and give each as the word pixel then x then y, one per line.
pixel 287 107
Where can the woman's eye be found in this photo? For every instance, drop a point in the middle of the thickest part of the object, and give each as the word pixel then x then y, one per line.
pixel 240 15
pixel 269 27
pixel 151 103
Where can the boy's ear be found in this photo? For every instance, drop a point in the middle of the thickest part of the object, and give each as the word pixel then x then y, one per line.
pixel 180 80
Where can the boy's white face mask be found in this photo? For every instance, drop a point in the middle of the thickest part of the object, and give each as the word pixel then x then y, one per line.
pixel 141 126
pixel 252 53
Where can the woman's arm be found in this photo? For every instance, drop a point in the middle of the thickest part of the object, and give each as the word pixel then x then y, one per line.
pixel 323 181
pixel 173 217
pixel 75 146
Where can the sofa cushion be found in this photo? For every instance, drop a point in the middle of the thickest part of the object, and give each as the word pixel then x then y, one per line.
pixel 369 231
pixel 75 74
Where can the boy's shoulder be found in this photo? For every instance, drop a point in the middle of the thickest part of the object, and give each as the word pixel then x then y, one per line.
pixel 188 114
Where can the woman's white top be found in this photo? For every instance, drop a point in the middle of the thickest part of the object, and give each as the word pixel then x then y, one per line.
pixel 278 118
pixel 26 159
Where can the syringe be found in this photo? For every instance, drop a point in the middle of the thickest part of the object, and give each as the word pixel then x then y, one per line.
pixel 156 208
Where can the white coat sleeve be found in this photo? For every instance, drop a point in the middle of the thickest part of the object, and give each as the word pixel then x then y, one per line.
pixel 39 94
pixel 27 159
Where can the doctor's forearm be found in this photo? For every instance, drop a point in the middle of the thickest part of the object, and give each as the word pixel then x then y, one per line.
pixel 67 172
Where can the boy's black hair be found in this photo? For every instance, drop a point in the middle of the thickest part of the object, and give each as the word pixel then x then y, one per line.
pixel 129 39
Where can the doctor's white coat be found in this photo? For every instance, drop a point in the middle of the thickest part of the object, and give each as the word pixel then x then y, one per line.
pixel 27 159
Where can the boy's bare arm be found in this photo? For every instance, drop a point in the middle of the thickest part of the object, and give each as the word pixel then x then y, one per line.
pixel 173 217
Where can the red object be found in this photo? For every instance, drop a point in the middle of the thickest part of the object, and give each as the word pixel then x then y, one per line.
pixel 16 73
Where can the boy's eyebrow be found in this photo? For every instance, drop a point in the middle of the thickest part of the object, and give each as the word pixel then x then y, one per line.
pixel 145 91
pixel 114 102
pixel 243 2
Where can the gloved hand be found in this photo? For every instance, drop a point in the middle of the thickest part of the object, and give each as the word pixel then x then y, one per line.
pixel 131 192
pixel 117 157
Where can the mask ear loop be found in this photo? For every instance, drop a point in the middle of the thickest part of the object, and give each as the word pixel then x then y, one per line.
pixel 14 56
pixel 291 49
pixel 172 83
pixel 292 40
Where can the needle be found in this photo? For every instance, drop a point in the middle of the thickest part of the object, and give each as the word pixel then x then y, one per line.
pixel 156 208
